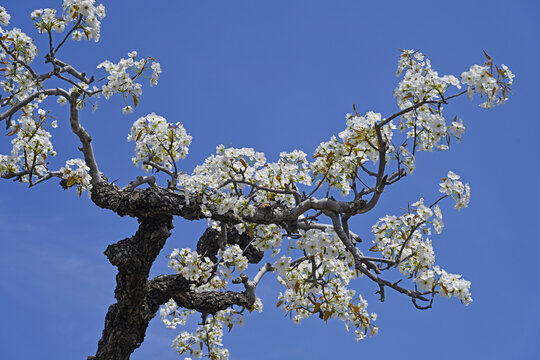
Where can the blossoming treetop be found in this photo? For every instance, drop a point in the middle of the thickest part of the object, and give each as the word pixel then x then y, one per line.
pixel 251 204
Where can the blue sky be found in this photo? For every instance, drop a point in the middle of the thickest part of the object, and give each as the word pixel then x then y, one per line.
pixel 278 76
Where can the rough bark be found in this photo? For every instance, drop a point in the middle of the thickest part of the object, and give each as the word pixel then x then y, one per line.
pixel 128 318
pixel 208 245
pixel 210 302
pixel 140 203
pixel 155 200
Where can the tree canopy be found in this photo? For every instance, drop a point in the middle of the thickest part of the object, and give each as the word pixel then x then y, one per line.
pixel 289 218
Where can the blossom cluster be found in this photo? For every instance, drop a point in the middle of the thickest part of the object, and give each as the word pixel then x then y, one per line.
pixel 47 21
pixel 338 160
pixel 87 15
pixel 267 237
pixel 420 82
pixel 172 315
pixel 317 283
pixel 233 257
pixel 449 284
pixel 420 85
pixel 291 168
pixel 451 186
pixel 158 141
pixel 84 13
pixel 191 265
pixel 78 177
pixel 17 79
pixel 481 79
pixel 209 334
pixel 120 81
pixel 4 16
pixel 228 163
pixel 264 237
pixel 8 165
pixel 401 239
pixel 241 181
pixel 31 146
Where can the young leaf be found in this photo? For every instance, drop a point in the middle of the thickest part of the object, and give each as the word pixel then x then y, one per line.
pixel 327 314
pixel 13 131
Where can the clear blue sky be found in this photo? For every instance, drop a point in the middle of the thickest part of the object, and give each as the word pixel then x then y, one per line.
pixel 280 75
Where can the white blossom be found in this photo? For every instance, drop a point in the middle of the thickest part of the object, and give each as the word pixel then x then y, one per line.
pixel 4 16
pixel 90 26
pixel 158 141
pixel 78 177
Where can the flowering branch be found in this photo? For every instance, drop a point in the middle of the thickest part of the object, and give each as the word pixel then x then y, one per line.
pixel 251 204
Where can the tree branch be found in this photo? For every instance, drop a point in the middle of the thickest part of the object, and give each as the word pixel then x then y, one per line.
pixel 15 59
pixel 128 318
pixel 83 136
pixel 362 266
pixel 65 67
pixel 12 110
pixel 417 105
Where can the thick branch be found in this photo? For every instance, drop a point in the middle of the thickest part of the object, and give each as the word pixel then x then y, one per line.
pixel 210 302
pixel 127 320
pixel 158 200
pixel 163 287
